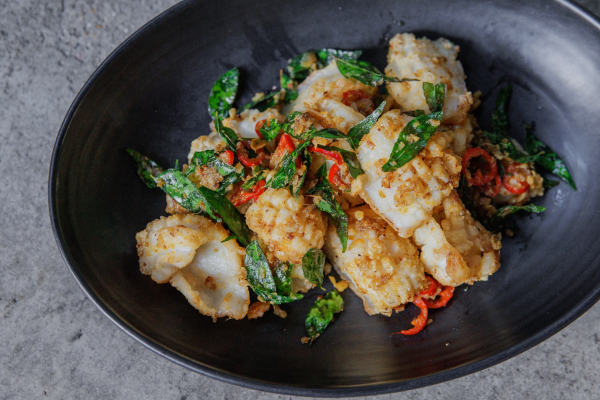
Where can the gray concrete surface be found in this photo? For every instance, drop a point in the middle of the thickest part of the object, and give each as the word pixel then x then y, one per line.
pixel 54 343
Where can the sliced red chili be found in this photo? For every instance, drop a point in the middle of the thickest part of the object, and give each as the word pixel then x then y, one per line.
pixel 352 96
pixel 242 153
pixel 478 178
pixel 510 181
pixel 431 289
pixel 286 143
pixel 445 296
pixel 491 189
pixel 333 175
pixel 243 197
pixel 420 322
pixel 257 127
pixel 227 157
pixel 331 155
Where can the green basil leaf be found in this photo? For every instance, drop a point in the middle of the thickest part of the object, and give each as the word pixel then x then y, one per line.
pixel 321 313
pixel 306 160
pixel 349 158
pixel 227 134
pixel 274 289
pixel 549 184
pixel 185 193
pixel 270 129
pixel 290 87
pixel 404 150
pixel 287 170
pixel 328 133
pixel 210 159
pixel 249 184
pixel 223 93
pixel 496 221
pixel 330 206
pixel 415 113
pixel 313 263
pixel 266 101
pixel 228 181
pixel 365 72
pixel 228 212
pixel 302 65
pixel 148 170
pixel 547 158
pixel 356 133
pixel 228 238
pixel 289 121
pixel 434 95
pixel 326 56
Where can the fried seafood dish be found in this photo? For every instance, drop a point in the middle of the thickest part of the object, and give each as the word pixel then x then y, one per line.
pixel 387 177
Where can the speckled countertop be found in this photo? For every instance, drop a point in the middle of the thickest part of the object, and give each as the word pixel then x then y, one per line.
pixel 54 342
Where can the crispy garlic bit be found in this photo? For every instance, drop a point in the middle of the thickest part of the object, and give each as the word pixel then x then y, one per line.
pixel 288 226
pixel 382 268
pixel 186 250
pixel 428 61
pixel 405 197
pixel 458 249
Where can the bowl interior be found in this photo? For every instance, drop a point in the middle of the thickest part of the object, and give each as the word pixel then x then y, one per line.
pixel 151 95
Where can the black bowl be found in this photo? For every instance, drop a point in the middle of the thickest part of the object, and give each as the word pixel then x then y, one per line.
pixel 151 93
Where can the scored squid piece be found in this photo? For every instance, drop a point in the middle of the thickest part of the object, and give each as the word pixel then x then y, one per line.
pixel 382 268
pixel 407 196
pixel 186 251
pixel 427 61
pixel 328 82
pixel 458 249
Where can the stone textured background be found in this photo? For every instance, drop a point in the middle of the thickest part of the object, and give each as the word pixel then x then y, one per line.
pixel 54 342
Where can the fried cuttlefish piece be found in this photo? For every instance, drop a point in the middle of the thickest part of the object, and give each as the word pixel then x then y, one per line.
pixel 186 251
pixel 458 249
pixel 383 269
pixel 427 61
pixel 289 226
pixel 407 196
pixel 244 123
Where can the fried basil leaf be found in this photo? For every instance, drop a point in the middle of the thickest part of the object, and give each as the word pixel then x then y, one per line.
pixel 274 289
pixel 326 56
pixel 356 133
pixel 228 212
pixel 415 113
pixel 227 134
pixel 306 160
pixel 321 313
pixel 328 133
pixel 287 170
pixel 290 87
pixel 365 72
pixel 434 95
pixel 312 266
pixel 265 101
pixel 330 206
pixel 223 93
pixel 302 65
pixel 185 193
pixel 349 158
pixel 289 121
pixel 497 219
pixel 404 149
pixel 228 181
pixel 148 170
pixel 549 184
pixel 258 175
pixel 547 158
pixel 210 159
pixel 270 129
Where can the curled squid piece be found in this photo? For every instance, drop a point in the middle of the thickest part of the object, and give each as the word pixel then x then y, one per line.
pixel 187 251
pixel 407 196
pixel 382 268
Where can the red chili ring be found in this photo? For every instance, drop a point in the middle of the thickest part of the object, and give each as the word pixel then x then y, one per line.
pixel 333 177
pixel 445 296
pixel 421 321
pixel 242 153
pixel 478 179
pixel 329 154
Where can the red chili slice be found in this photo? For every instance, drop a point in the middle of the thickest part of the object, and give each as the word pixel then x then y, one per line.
pixel 352 96
pixel 243 197
pixel 477 178
pixel 420 322
pixel 242 153
pixel 286 143
pixel 511 183
pixel 333 175
pixel 331 155
pixel 445 296
pixel 257 127
pixel 431 289
pixel 491 189
pixel 227 157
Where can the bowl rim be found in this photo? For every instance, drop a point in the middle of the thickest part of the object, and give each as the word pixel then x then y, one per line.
pixel 242 381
